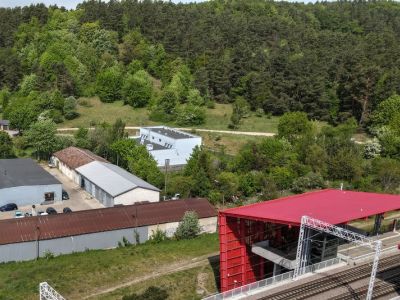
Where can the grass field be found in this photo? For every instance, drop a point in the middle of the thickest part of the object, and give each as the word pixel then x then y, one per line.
pixel 81 274
pixel 190 284
pixel 228 143
pixel 217 118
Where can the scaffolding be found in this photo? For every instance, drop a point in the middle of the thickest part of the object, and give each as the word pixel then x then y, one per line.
pixel 48 293
pixel 318 225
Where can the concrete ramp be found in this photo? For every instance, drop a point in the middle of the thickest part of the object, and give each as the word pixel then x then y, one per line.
pixel 276 256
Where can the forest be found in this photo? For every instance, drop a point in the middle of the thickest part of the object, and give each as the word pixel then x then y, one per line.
pixel 337 63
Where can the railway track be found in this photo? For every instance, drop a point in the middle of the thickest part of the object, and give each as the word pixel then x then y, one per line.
pixel 327 283
pixel 391 284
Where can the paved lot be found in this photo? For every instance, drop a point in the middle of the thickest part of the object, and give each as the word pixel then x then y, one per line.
pixel 78 198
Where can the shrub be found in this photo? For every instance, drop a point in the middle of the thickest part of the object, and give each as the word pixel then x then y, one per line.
pixel 48 254
pixel 152 293
pixel 158 236
pixel 189 227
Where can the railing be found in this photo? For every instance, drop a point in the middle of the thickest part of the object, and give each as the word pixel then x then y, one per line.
pixel 48 293
pixel 252 287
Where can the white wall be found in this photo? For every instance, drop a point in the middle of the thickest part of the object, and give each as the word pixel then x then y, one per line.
pixel 137 195
pixel 71 174
pixel 66 245
pixel 208 225
pixel 28 195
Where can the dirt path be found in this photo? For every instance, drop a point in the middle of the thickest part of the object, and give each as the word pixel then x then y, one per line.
pixel 250 133
pixel 165 270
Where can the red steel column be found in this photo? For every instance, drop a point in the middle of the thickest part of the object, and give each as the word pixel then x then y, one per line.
pixel 261 227
pixel 243 252
pixel 223 243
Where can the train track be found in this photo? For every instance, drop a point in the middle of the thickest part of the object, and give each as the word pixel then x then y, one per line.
pixel 391 284
pixel 329 282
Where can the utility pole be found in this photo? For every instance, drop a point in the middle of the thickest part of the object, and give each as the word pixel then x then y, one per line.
pixel 165 177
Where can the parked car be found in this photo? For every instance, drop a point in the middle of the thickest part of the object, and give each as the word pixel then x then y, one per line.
pixel 9 207
pixel 18 214
pixel 176 197
pixel 51 211
pixel 67 210
pixel 65 195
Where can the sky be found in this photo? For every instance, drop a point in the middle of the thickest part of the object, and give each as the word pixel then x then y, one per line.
pixel 66 3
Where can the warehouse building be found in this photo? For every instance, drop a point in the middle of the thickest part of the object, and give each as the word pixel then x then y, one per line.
pixel 168 145
pixel 29 238
pixel 24 182
pixel 71 158
pixel 112 185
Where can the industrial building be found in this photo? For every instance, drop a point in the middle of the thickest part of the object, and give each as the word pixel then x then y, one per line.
pixel 112 185
pixel 24 182
pixel 260 240
pixel 71 158
pixel 31 237
pixel 168 145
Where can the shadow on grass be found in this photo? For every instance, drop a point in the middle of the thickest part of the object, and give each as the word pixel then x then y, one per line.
pixel 214 263
pixel 152 293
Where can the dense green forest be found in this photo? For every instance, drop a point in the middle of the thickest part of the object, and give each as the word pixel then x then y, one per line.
pixel 331 60
pixel 337 62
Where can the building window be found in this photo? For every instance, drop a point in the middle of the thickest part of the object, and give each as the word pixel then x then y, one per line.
pixel 49 196
pixel 159 140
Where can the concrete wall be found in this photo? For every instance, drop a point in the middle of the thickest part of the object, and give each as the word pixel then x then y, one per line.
pixel 70 173
pixel 78 243
pixel 137 195
pixel 28 195
pixel 208 225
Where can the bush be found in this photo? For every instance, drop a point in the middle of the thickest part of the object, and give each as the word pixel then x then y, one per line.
pixel 48 254
pixel 152 293
pixel 158 236
pixel 189 227
pixel 308 182
pixel 191 115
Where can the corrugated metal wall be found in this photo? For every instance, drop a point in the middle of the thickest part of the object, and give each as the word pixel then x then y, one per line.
pixel 79 243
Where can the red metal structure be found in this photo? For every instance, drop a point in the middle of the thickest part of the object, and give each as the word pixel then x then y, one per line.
pixel 278 220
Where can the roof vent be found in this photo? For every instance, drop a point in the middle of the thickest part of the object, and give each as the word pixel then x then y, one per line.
pixel 149 147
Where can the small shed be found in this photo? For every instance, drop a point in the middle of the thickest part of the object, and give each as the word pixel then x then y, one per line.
pixel 112 185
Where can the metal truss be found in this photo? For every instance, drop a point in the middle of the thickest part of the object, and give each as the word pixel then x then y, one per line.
pixel 48 293
pixel 302 248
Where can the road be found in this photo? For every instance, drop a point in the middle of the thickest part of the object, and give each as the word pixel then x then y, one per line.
pixel 249 133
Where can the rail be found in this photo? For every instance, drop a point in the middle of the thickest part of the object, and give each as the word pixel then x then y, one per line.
pixel 248 288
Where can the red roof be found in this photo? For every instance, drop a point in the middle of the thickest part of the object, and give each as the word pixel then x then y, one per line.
pixel 75 157
pixel 332 206
pixel 103 219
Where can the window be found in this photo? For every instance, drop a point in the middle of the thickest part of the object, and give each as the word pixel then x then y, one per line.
pixel 49 196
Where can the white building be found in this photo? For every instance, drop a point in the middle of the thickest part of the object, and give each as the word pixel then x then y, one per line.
pixel 112 185
pixel 71 158
pixel 165 143
pixel 24 182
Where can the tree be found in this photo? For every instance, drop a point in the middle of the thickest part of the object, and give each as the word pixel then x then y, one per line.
pixel 29 83
pixel 137 90
pixel 189 227
pixel 136 159
pixel 41 136
pixel 6 145
pixel 294 125
pixel 108 84
pixel 151 293
pixel 190 115
pixel 228 184
pixel 385 111
pixel 240 110
pixel 387 173
pixel 70 108
pixel 82 138
pixel 195 98
pixel 21 112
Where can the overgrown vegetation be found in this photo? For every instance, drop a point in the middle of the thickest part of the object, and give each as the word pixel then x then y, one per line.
pixel 79 274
